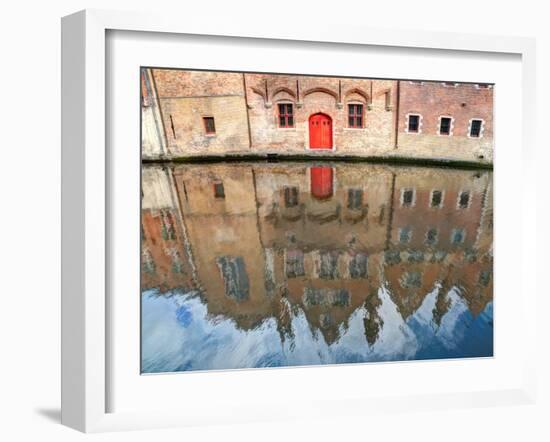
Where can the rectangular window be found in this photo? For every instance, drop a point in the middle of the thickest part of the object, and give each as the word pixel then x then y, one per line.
pixel 408 197
pixel 449 84
pixel 437 198
pixel 291 196
pixel 294 263
pixel 445 126
pixel 464 200
pixel 475 129
pixel 458 236
pixel 286 115
pixel 235 277
pixel 414 123
pixel 355 116
pixel 209 126
pixel 431 236
pixel 405 235
pixel 358 266
pixel 219 191
pixel 355 199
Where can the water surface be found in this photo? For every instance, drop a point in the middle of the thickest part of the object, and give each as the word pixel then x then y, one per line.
pixel 283 264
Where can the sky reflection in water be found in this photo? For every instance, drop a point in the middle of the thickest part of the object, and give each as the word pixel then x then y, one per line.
pixel 284 264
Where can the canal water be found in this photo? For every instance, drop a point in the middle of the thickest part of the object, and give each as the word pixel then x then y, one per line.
pixel 248 265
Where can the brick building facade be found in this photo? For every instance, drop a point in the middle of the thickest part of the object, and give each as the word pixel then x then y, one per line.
pixel 196 113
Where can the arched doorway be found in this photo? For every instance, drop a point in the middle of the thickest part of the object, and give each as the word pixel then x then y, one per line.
pixel 320 131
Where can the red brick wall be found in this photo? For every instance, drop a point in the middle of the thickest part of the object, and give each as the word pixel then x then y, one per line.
pixel 432 100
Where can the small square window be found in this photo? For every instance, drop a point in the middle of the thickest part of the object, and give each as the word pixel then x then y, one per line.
pixel 475 129
pixel 445 126
pixel 431 236
pixel 414 123
pixel 291 196
pixel 355 116
pixel 408 197
pixel 355 199
pixel 286 115
pixel 405 235
pixel 437 198
pixel 464 200
pixel 219 191
pixel 458 236
pixel 209 126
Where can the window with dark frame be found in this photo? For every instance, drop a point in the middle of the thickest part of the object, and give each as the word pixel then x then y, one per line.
pixel 219 191
pixel 437 198
pixel 355 116
pixel 475 129
pixel 464 200
pixel 209 125
pixel 408 196
pixel 445 126
pixel 286 115
pixel 355 199
pixel 291 196
pixel 414 123
pixel 431 236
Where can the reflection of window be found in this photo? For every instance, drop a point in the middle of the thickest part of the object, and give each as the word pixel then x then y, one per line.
pixel 294 263
pixel 437 198
pixel 355 198
pixel 411 280
pixel 475 128
pixel 209 126
pixel 464 200
pixel 219 191
pixel 431 236
pixel 168 229
pixel 407 197
pixel 485 278
pixel 445 126
pixel 358 266
pixel 355 116
pixel 414 123
pixel 458 236
pixel 291 196
pixel 286 115
pixel 329 265
pixel 234 276
pixel 405 235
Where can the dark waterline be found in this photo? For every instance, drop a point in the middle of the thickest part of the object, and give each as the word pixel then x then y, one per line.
pixel 265 265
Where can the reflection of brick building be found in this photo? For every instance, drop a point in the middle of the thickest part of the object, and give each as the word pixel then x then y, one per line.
pixel 261 239
pixel 194 113
pixel 164 262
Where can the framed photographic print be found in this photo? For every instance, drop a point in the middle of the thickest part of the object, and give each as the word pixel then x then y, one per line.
pixel 275 223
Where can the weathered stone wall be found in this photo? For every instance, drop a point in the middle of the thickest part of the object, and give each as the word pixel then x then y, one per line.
pixel 330 96
pixel 462 102
pixel 187 97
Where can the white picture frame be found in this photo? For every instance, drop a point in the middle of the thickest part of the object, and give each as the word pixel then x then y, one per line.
pixel 86 203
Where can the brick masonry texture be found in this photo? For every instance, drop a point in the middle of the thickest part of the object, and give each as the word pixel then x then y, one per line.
pixel 245 111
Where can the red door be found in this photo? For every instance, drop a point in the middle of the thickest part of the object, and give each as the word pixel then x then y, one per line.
pixel 321 182
pixel 320 131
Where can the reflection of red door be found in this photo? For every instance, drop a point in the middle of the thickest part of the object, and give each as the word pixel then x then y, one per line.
pixel 321 182
pixel 320 132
